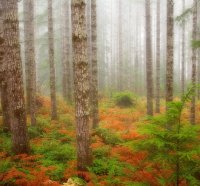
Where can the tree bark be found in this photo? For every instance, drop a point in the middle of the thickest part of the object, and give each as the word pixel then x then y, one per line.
pixel 183 57
pixel 12 74
pixel 149 70
pixel 158 60
pixel 66 48
pixel 120 64
pixel 51 62
pixel 81 83
pixel 30 64
pixel 3 83
pixel 94 69
pixel 170 51
pixel 194 59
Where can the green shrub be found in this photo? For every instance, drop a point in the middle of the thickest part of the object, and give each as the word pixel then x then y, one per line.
pixel 101 152
pixel 54 151
pixel 5 166
pixel 38 129
pixel 106 166
pixel 176 145
pixel 5 142
pixel 108 137
pixel 124 99
pixel 58 173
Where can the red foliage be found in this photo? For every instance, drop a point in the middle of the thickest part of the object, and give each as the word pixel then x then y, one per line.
pixel 126 155
pixel 131 135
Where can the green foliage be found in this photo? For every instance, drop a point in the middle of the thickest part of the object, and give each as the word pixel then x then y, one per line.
pixel 66 119
pixel 54 151
pixel 38 130
pixel 196 44
pixel 106 166
pixel 5 142
pixel 58 173
pixel 181 19
pixel 5 166
pixel 108 137
pixel 101 152
pixel 124 99
pixel 173 144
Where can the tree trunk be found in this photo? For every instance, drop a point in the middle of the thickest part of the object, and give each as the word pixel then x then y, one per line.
pixel 158 60
pixel 30 64
pixel 13 76
pixel 183 57
pixel 170 50
pixel 194 58
pixel 149 70
pixel 81 83
pixel 51 62
pixel 66 57
pixel 120 64
pixel 3 85
pixel 94 69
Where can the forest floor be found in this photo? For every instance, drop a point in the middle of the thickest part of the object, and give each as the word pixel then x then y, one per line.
pixel 52 160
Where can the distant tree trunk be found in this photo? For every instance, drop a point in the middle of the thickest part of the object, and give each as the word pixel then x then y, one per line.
pixel 120 64
pixel 51 62
pixel 183 56
pixel 94 68
pixel 81 83
pixel 149 70
pixel 198 61
pixel 13 76
pixel 64 50
pixel 30 64
pixel 194 58
pixel 66 57
pixel 158 60
pixel 170 51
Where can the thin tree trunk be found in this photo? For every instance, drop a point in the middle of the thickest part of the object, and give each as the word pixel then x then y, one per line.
pixel 13 75
pixel 51 62
pixel 120 64
pixel 158 60
pixel 66 57
pixel 30 58
pixel 194 58
pixel 183 57
pixel 170 51
pixel 149 70
pixel 94 68
pixel 81 83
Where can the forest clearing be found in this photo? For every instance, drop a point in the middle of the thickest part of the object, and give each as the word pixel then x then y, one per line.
pixel 100 93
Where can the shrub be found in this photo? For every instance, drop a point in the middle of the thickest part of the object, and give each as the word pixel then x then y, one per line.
pixel 53 151
pixel 5 166
pixel 101 152
pixel 108 137
pixel 176 145
pixel 124 99
pixel 106 166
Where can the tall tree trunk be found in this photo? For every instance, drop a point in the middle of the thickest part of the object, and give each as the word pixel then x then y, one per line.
pixel 94 68
pixel 120 64
pixel 194 58
pixel 183 57
pixel 158 60
pixel 30 64
pixel 51 62
pixel 149 70
pixel 3 83
pixel 170 51
pixel 13 75
pixel 66 48
pixel 81 83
